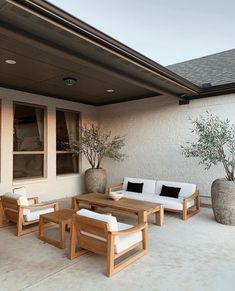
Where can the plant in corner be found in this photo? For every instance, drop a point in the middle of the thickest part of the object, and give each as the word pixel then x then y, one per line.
pixel 95 144
pixel 215 143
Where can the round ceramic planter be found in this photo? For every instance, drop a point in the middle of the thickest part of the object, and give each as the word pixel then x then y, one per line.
pixel 223 201
pixel 95 180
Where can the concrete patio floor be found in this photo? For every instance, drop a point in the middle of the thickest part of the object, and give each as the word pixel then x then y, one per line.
pixel 197 254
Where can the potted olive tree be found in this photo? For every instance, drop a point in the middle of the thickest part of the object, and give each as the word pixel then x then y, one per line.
pixel 95 144
pixel 215 143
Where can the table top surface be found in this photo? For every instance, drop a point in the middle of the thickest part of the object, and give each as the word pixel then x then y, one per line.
pixel 59 215
pixel 128 204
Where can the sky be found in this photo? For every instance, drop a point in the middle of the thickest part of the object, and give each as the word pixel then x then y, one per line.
pixel 167 31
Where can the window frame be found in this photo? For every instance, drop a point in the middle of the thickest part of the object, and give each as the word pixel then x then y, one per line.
pixel 66 152
pixel 44 152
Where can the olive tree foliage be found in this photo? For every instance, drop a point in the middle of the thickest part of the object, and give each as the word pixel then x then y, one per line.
pixel 215 143
pixel 95 144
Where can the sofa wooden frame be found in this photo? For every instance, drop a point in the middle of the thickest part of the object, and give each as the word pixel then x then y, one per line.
pixel 81 244
pixel 186 212
pixel 14 213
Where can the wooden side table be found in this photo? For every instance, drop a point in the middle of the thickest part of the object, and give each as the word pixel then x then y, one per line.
pixel 61 217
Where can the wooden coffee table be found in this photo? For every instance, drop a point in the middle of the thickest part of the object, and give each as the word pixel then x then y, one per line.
pixel 138 207
pixel 61 217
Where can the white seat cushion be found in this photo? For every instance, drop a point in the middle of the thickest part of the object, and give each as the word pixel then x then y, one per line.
pixel 35 214
pixel 148 187
pixel 126 241
pixel 186 189
pixel 168 202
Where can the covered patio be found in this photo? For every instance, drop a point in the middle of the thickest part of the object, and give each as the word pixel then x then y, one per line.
pixel 55 68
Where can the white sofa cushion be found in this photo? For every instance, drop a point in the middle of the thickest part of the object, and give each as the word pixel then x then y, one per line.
pixel 168 202
pixel 186 189
pixel 126 241
pixel 34 214
pixel 149 185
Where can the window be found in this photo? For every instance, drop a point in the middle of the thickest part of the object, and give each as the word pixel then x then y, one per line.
pixel 67 124
pixel 28 141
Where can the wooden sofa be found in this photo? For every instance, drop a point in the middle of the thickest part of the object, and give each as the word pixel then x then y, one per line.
pixel 103 235
pixel 187 204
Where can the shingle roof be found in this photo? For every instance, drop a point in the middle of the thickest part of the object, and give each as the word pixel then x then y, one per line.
pixel 216 69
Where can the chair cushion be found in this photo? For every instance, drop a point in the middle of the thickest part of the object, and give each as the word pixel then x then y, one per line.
pixel 135 187
pixel 111 220
pixel 23 201
pixel 126 241
pixel 34 214
pixel 20 190
pixel 149 185
pixel 186 190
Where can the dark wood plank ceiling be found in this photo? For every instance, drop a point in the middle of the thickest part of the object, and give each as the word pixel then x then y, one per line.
pixel 46 53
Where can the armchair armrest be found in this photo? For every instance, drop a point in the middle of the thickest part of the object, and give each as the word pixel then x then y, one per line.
pixel 35 199
pixel 133 229
pixel 55 205
pixel 115 187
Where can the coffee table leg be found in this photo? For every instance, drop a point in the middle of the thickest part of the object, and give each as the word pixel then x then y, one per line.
pixel 160 216
pixel 142 217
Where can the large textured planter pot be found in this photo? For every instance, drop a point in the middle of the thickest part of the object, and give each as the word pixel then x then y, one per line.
pixel 223 201
pixel 95 180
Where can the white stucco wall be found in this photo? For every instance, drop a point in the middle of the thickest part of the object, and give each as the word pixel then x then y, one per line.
pixel 155 128
pixel 52 186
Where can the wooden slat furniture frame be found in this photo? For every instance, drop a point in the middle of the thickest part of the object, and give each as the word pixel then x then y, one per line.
pixel 186 212
pixel 140 208
pixel 14 213
pixel 105 248
pixel 61 217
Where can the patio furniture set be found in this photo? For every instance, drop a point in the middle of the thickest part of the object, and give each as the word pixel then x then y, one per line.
pixel 97 232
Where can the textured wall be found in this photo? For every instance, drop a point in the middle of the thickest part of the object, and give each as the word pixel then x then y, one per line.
pixel 52 186
pixel 155 128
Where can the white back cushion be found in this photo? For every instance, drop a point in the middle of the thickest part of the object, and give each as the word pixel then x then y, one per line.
pixel 23 201
pixel 149 185
pixel 186 188
pixel 20 190
pixel 111 220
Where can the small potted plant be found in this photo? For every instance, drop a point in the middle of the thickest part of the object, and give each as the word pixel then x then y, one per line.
pixel 95 144
pixel 215 143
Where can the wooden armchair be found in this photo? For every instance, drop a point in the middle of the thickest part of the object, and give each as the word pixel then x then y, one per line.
pixel 17 209
pixel 103 235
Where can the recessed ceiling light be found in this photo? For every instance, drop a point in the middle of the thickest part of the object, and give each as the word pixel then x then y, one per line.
pixel 70 81
pixel 10 62
pixel 110 90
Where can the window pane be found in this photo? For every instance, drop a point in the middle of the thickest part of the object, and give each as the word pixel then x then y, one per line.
pixel 27 166
pixel 66 163
pixel 28 128
pixel 66 128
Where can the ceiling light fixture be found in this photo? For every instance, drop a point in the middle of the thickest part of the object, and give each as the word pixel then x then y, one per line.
pixel 70 81
pixel 10 62
pixel 110 90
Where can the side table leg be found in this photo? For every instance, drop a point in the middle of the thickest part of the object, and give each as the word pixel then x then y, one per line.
pixel 62 235
pixel 41 227
pixel 160 216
